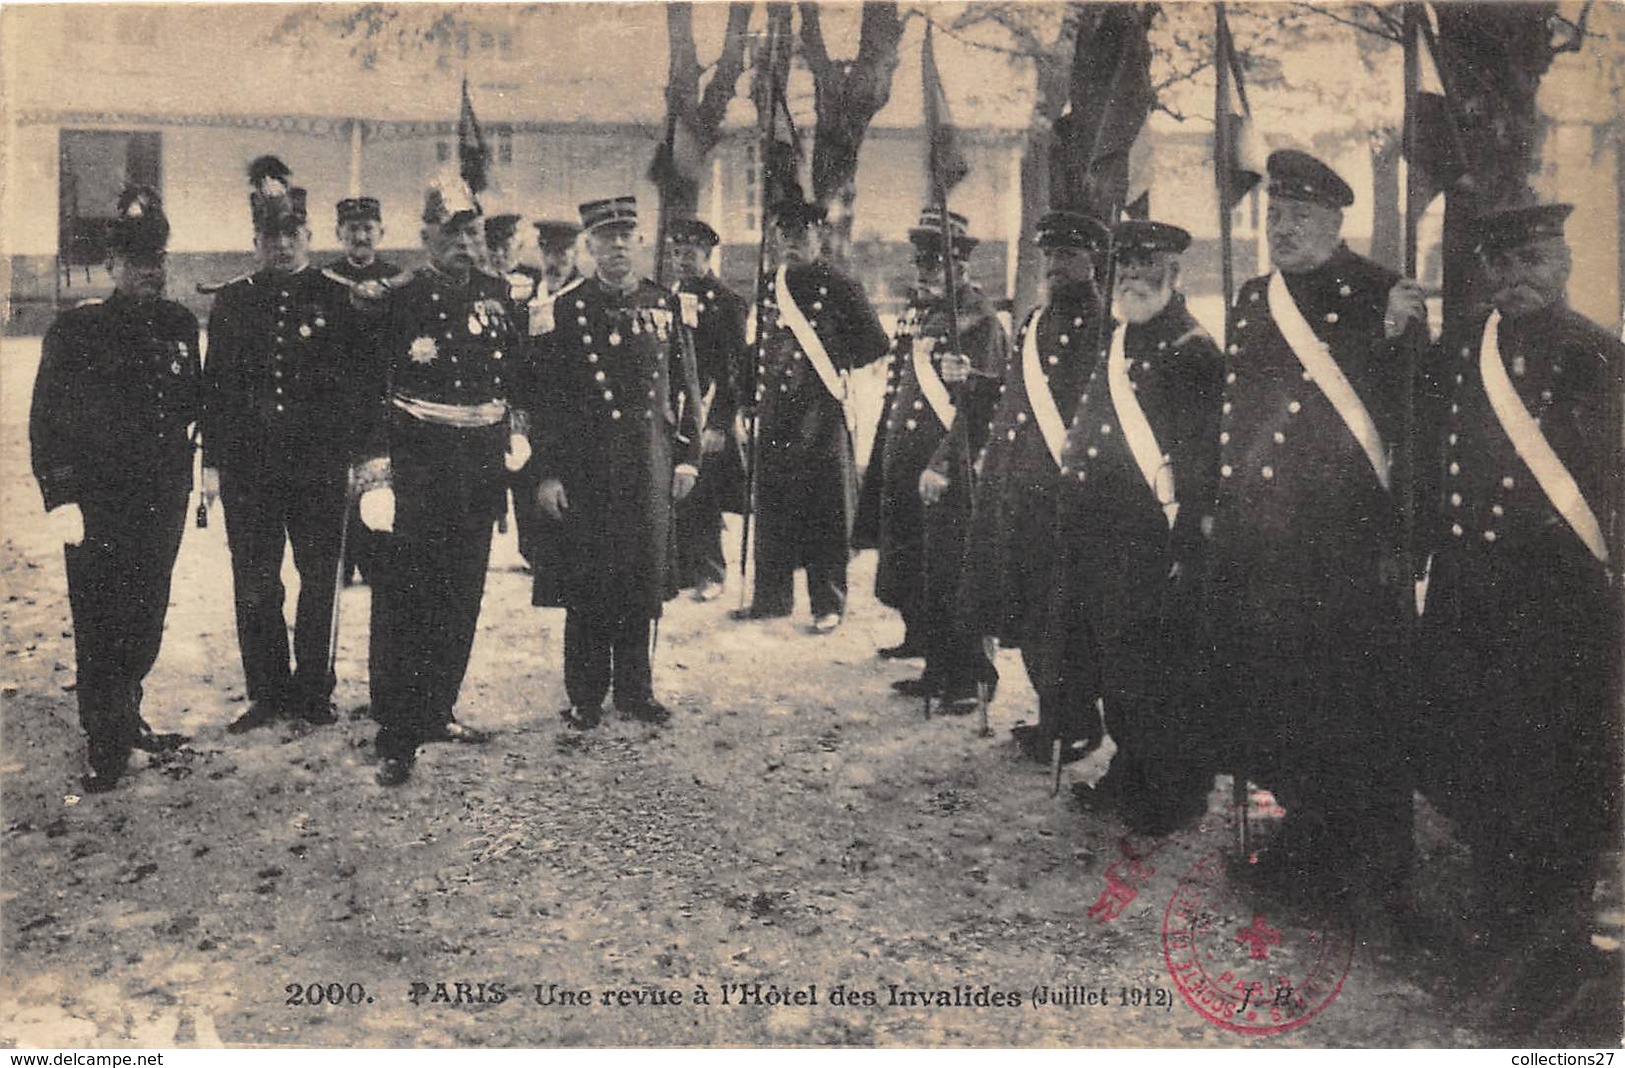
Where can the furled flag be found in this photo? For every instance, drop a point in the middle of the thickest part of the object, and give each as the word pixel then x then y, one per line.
pixel 1437 165
pixel 945 162
pixel 1240 140
pixel 679 159
pixel 781 163
pixel 473 156
pixel 1111 95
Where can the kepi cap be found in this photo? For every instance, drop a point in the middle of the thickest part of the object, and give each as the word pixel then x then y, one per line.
pixel 499 228
pixel 1072 229
pixel 926 235
pixel 358 209
pixel 1297 175
pixel 794 215
pixel 1143 237
pixel 1509 227
pixel 622 211
pixel 554 233
pixel 692 232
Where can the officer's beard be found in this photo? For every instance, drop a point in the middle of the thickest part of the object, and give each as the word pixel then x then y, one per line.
pixel 1139 303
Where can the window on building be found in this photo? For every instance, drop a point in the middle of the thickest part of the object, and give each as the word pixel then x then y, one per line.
pixel 505 147
pixel 442 151
pixel 95 166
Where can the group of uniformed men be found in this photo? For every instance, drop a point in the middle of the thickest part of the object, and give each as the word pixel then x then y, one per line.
pixel 1203 553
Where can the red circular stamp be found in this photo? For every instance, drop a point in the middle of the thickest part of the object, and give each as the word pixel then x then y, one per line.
pixel 1242 971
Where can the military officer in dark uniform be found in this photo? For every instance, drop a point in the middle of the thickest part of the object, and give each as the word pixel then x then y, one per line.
pixel 1309 592
pixel 110 432
pixel 866 520
pixel 502 257
pixel 1522 623
pixel 616 442
pixel 1136 477
pixel 556 241
pixel 288 386
pixel 455 362
pixel 360 229
pixel 925 497
pixel 720 355
pixel 819 326
pixel 1008 580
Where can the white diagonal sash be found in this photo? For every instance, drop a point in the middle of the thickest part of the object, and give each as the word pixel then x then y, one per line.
pixel 931 384
pixel 1317 359
pixel 1533 448
pixel 1142 440
pixel 1039 397
pixel 812 345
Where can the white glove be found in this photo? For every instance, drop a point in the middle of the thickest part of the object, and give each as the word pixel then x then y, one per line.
pixel 518 452
pixel 378 510
pixel 67 522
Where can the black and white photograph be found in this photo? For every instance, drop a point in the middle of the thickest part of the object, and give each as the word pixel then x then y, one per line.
pixel 834 524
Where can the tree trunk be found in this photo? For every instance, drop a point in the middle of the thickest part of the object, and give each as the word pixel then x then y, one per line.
pixel 846 97
pixel 1493 56
pixel 1387 215
pixel 694 119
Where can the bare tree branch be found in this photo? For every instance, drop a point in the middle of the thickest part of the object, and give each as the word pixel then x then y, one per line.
pixel 1180 76
pixel 1028 49
pixel 1385 30
pixel 1576 35
pixel 720 90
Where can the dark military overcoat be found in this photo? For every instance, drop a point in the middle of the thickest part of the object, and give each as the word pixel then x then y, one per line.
pixel 609 421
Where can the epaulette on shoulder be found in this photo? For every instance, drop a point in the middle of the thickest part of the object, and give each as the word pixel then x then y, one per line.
pixel 211 288
pixel 88 302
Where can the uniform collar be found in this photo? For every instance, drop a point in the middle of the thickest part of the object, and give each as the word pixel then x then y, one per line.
pixel 1170 320
pixel 620 291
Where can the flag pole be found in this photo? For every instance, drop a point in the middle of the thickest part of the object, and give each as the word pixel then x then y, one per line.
pixel 765 122
pixel 663 223
pixel 1223 151
pixel 1410 31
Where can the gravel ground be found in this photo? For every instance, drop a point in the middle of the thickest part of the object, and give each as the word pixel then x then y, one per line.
pixel 795 826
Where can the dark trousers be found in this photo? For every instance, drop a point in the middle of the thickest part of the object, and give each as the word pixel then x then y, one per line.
pixel 425 605
pixel 699 534
pixel 954 653
pixel 359 547
pixel 265 511
pixel 600 651
pixel 804 498
pixel 775 588
pixel 118 591
pixel 913 627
